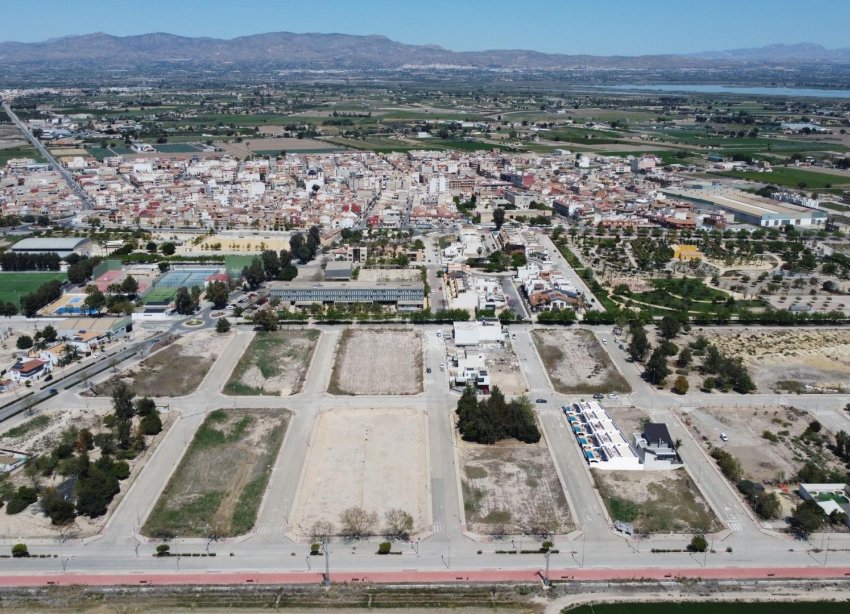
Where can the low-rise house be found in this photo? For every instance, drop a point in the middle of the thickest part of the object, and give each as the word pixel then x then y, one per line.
pixel 656 447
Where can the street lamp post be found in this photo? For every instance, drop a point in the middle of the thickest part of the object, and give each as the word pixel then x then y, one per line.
pixel 327 581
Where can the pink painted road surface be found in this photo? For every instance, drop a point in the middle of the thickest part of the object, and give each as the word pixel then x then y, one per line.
pixel 441 577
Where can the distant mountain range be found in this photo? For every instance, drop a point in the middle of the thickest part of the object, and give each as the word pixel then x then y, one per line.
pixel 343 51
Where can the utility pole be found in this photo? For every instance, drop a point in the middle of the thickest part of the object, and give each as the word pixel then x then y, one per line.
pixel 327 581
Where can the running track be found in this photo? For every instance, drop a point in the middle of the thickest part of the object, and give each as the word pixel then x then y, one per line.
pixel 394 577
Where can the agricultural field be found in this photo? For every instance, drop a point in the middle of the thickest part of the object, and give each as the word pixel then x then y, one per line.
pixel 274 363
pixel 795 360
pixel 512 488
pixel 14 285
pixel 576 362
pixel 219 485
pixel 792 178
pixel 655 501
pixel 378 361
pixel 155 376
pixel 374 459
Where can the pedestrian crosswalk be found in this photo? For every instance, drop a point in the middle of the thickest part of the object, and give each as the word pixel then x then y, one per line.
pixel 438 527
pixel 734 524
pixel 270 530
pixel 549 411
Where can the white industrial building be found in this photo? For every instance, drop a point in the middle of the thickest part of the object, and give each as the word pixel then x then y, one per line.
pixel 475 333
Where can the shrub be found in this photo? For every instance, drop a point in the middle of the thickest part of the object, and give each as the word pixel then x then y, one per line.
pixel 20 550
pixel 680 386
pixel 384 548
pixel 120 470
pixel 151 424
pixel 163 550
pixel 24 342
pixel 698 544
pixel 21 500
pixel 222 326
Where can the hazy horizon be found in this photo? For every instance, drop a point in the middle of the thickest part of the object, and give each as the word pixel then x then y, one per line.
pixel 604 28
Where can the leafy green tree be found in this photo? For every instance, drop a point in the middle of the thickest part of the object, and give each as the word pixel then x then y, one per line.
pixel 55 506
pixel 183 302
pixel 684 359
pixel 130 285
pixel 254 274
pixel 266 319
pixel 271 264
pixel 638 343
pixel 95 491
pixel 122 404
pixel 808 517
pixel 222 326
pixel 95 299
pixel 49 334
pixel 656 368
pixel 698 544
pixel 24 342
pixel 151 424
pixel 498 217
pixel 168 248
pixel 680 386
pixel 669 327
pixel 218 294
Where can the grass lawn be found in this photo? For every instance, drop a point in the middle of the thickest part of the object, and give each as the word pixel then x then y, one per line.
pixel 218 486
pixel 28 426
pixel 791 177
pixel 14 285
pixel 687 295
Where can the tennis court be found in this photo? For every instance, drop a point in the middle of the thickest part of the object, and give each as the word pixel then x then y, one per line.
pixel 186 277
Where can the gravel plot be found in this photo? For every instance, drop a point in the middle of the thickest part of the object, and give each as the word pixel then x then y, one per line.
pixel 512 489
pixel 375 459
pixel 791 359
pixel 156 376
pixel 378 361
pixel 656 501
pixel 576 362
pixel 274 363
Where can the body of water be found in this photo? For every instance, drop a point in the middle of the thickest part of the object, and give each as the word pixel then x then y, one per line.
pixel 731 89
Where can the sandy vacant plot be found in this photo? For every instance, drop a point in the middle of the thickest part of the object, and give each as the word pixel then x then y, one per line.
pixel 791 359
pixel 761 460
pixel 219 484
pixel 248 243
pixel 656 501
pixel 156 376
pixel 505 372
pixel 576 362
pixel 375 459
pixel 378 361
pixel 628 419
pixel 274 363
pixel 512 489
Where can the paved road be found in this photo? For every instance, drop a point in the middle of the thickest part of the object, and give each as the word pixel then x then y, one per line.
pixel 568 271
pixel 447 550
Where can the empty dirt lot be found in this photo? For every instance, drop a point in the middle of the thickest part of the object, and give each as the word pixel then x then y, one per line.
pixel 378 361
pixel 576 362
pixel 375 459
pixel 156 376
pixel 761 460
pixel 274 363
pixel 656 501
pixel 791 359
pixel 505 372
pixel 512 488
pixel 218 486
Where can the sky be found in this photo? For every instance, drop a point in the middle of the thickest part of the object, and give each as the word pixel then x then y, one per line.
pixel 596 27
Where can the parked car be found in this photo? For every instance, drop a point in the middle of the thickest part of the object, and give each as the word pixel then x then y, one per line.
pixel 612 395
pixel 598 396
pixel 428 370
pixel 540 401
pixel 724 437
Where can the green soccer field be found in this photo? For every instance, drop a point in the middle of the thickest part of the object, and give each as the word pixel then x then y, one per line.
pixel 14 285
